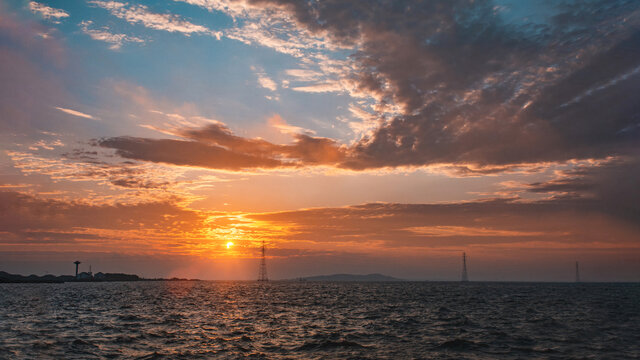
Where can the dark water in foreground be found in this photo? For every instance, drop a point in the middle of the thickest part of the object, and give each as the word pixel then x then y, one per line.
pixel 150 320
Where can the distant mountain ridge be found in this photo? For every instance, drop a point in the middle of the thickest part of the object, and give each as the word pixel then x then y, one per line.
pixel 351 277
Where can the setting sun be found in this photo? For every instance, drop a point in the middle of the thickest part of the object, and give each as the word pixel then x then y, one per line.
pixel 229 245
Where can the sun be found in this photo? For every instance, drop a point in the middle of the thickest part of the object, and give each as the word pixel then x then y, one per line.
pixel 229 245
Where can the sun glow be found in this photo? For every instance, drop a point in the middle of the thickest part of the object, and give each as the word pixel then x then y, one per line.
pixel 229 245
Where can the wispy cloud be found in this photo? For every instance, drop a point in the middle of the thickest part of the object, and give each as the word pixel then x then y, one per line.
pixel 279 123
pixel 76 113
pixel 303 74
pixel 107 181
pixel 47 12
pixel 269 26
pixel 264 80
pixel 320 88
pixel 450 231
pixel 140 14
pixel 267 83
pixel 48 145
pixel 273 26
pixel 116 40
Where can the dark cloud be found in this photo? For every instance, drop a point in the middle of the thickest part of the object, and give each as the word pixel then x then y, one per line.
pixel 613 187
pixel 478 87
pixel 215 146
pixel 181 152
pixel 305 150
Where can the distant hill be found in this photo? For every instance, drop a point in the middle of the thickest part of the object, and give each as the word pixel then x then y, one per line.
pixel 5 277
pixel 351 277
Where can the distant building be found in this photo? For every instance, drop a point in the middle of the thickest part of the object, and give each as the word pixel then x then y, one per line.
pixel 100 276
pixel 85 276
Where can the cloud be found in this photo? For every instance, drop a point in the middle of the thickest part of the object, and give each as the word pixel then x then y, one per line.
pixel 267 83
pixel 279 123
pixel 466 231
pixel 44 225
pixel 116 40
pixel 320 88
pixel 612 184
pixel 188 153
pixel 215 146
pixel 455 86
pixel 507 238
pixel 326 65
pixel 259 23
pixel 303 74
pixel 479 224
pixel 47 12
pixel 76 113
pixel 476 88
pixel 135 14
pixel 264 80
pixel 460 83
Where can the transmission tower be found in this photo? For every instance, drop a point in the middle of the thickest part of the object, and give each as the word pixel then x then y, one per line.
pixel 262 274
pixel 465 277
pixel 577 273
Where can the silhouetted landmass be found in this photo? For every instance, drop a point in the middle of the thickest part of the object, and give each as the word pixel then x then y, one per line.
pixel 351 277
pixel 115 277
pixel 5 277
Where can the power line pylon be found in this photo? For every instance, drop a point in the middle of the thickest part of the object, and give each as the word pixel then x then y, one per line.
pixel 262 274
pixel 465 276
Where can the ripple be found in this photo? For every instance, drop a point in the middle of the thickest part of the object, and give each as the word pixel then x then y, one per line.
pixel 329 344
pixel 289 320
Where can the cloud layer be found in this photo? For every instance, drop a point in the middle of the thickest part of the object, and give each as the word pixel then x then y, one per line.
pixel 474 87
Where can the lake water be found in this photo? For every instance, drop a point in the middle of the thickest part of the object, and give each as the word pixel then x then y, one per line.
pixel 316 320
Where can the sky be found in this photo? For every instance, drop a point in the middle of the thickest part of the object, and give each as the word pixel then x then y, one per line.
pixel 172 138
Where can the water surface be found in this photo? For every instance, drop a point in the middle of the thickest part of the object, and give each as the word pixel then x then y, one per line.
pixel 318 320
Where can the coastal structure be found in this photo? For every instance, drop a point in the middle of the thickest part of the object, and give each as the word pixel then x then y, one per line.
pixel 577 273
pixel 84 276
pixel 465 276
pixel 262 273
